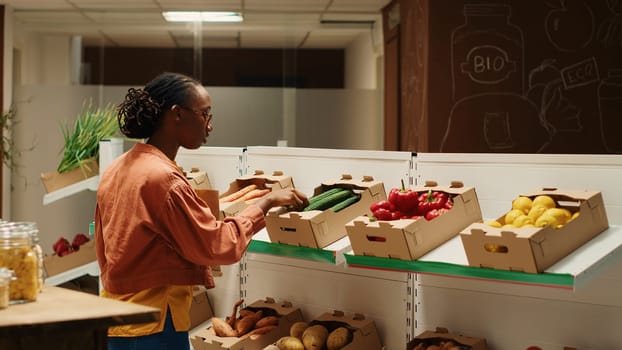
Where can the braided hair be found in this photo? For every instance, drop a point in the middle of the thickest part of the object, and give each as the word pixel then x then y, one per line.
pixel 140 113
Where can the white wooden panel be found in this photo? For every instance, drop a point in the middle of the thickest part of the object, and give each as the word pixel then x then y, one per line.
pixel 510 322
pixel 222 164
pixel 309 167
pixel 318 288
pixel 513 316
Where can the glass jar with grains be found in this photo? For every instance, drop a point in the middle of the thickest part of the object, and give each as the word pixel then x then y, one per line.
pixel 17 254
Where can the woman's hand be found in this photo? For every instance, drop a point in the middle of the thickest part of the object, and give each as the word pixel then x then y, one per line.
pixel 290 197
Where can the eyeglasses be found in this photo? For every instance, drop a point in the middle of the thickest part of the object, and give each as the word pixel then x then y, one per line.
pixel 206 113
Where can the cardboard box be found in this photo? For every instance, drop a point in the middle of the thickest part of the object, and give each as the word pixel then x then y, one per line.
pixel 276 181
pixel 364 333
pixel 198 179
pixel 205 339
pixel 408 239
pixel 441 335
pixel 534 249
pixel 55 264
pixel 316 228
pixel 200 309
pixel 54 181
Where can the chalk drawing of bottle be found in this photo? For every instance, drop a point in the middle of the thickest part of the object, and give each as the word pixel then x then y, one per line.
pixel 487 52
pixel 610 110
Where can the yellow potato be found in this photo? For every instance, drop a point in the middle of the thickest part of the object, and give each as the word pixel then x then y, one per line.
pixel 297 329
pixel 314 337
pixel 338 338
pixel 289 343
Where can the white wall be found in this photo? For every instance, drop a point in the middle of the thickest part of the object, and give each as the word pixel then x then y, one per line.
pixel 360 63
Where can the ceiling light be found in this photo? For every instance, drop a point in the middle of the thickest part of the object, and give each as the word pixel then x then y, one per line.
pixel 202 16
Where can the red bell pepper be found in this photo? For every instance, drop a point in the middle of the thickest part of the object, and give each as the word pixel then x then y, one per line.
pixel 385 210
pixel 431 200
pixel 382 214
pixel 434 213
pixel 382 204
pixel 79 240
pixel 405 200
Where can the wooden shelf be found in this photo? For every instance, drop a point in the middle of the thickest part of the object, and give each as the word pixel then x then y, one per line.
pixel 89 184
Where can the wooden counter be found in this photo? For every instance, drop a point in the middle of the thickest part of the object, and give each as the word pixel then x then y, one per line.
pixel 67 319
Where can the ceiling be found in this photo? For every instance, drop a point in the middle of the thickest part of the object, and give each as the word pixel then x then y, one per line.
pixel 139 23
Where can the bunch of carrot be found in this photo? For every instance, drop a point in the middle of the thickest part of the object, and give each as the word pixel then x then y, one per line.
pixel 248 194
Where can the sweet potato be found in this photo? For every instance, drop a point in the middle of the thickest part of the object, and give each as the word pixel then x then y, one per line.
pixel 267 321
pixel 238 194
pixel 297 329
pixel 289 343
pixel 255 333
pixel 247 323
pixel 222 328
pixel 231 319
pixel 338 338
pixel 314 337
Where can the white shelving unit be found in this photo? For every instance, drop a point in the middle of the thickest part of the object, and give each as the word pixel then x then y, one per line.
pixel 91 269
pixel 574 303
pixel 109 149
pixel 89 184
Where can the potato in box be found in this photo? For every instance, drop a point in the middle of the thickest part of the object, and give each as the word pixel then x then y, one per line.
pixel 287 315
pixel 246 189
pixel 531 248
pixel 320 228
pixel 339 331
pixel 442 337
pixel 409 239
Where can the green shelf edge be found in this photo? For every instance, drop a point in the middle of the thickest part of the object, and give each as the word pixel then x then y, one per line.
pixel 292 251
pixel 440 268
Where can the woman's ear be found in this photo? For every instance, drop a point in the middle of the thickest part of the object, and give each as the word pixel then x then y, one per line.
pixel 175 109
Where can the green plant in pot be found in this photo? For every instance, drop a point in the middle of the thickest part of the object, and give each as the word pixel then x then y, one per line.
pixel 83 136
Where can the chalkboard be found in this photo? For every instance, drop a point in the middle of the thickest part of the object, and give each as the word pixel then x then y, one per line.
pixel 523 76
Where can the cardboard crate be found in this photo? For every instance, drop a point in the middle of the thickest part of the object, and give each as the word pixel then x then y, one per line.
pixel 316 228
pixel 276 181
pixel 198 179
pixel 442 335
pixel 364 335
pixel 205 339
pixel 534 249
pixel 408 239
pixel 54 181
pixel 201 308
pixel 55 264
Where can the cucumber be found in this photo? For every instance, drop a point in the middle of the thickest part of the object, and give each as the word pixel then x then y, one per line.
pixel 346 203
pixel 329 201
pixel 326 194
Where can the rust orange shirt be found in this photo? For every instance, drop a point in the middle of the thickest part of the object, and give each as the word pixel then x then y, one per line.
pixel 153 231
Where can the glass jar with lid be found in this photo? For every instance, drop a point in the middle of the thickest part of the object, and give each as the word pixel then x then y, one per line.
pixel 17 254
pixel 33 232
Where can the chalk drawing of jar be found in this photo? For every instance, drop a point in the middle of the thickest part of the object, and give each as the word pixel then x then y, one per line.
pixel 610 110
pixel 487 52
pixel 496 122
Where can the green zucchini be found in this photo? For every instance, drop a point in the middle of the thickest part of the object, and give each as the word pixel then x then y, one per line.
pixel 326 194
pixel 329 201
pixel 346 203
